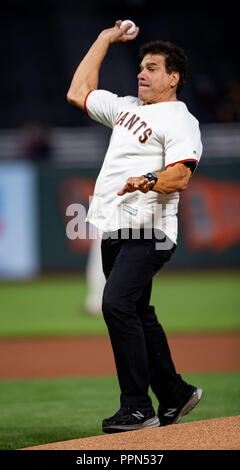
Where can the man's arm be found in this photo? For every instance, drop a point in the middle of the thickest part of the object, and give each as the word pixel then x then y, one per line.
pixel 174 178
pixel 85 78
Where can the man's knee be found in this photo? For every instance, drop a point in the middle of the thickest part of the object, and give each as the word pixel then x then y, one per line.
pixel 114 303
pixel 111 303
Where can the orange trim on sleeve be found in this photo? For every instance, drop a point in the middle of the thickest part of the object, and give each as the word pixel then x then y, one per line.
pixel 182 161
pixel 85 102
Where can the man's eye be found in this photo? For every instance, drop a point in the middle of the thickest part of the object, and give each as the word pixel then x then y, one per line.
pixel 151 70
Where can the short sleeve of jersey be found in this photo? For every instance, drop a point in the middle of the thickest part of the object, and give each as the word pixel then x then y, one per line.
pixel 183 142
pixel 101 105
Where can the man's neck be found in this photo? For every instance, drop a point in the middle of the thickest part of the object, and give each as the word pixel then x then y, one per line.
pixel 164 97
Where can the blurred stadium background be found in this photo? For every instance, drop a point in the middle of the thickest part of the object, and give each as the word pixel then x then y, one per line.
pixel 51 153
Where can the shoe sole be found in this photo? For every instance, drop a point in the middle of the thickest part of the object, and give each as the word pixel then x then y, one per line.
pixel 191 403
pixel 149 423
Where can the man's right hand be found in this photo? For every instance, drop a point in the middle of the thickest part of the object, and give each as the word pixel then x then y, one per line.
pixel 117 34
pixel 85 78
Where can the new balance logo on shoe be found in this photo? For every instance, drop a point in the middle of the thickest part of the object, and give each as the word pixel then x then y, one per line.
pixel 174 415
pixel 138 415
pixel 170 412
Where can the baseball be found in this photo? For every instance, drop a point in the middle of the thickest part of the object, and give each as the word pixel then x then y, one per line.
pixel 130 30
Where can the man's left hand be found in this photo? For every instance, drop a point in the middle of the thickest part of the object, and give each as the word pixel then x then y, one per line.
pixel 139 183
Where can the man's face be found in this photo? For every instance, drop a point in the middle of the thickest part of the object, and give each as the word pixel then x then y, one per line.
pixel 154 83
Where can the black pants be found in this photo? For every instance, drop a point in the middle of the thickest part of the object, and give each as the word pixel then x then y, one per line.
pixel 140 347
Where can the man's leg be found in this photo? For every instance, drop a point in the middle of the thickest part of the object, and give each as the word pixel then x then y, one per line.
pixel 167 385
pixel 176 397
pixel 122 289
pixel 129 266
pixel 135 263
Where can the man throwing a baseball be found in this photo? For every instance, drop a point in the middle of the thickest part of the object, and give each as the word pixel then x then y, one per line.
pixel 154 150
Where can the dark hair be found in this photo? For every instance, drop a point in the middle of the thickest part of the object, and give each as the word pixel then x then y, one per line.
pixel 175 58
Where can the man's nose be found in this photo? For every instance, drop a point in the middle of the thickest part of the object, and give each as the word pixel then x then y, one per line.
pixel 141 75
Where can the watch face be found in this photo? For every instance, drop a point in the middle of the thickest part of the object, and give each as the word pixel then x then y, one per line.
pixel 151 177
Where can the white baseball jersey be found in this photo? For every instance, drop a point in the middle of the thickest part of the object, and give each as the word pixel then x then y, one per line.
pixel 145 138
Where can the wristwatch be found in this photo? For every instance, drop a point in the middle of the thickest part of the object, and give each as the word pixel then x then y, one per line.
pixel 151 177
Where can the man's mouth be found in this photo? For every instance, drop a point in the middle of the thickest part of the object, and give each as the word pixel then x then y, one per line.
pixel 143 85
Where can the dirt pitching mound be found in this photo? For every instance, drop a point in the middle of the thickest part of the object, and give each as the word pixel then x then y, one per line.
pixel 211 434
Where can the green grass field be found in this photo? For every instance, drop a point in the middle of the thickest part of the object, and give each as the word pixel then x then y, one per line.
pixel 184 302
pixel 41 411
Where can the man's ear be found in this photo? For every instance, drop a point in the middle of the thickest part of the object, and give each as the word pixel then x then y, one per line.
pixel 175 79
